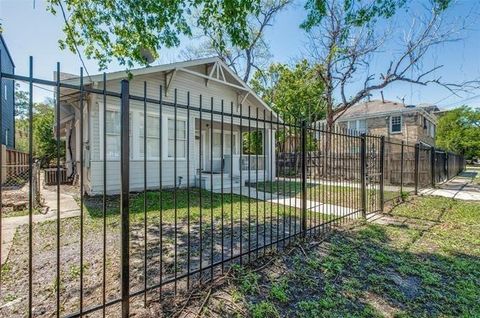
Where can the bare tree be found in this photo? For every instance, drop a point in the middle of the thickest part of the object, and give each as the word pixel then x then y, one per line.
pixel 253 56
pixel 346 50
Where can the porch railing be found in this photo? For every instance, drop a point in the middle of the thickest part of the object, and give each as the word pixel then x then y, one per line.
pixel 252 162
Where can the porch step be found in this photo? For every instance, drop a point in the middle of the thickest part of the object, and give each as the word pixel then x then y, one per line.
pixel 209 182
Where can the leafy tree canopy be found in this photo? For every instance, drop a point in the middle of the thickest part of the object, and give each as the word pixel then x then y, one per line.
pixel 44 143
pixel 459 131
pixel 21 102
pixel 125 30
pixel 295 93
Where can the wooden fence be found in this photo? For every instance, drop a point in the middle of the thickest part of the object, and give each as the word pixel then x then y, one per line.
pixel 15 164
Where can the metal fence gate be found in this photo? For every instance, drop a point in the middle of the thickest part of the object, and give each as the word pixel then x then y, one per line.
pixel 172 189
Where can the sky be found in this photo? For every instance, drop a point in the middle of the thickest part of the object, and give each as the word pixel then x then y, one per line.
pixel 30 30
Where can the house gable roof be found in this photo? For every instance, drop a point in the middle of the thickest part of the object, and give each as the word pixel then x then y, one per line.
pixel 215 70
pixel 376 108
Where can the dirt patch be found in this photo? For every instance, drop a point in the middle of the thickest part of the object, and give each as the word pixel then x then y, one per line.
pixel 173 261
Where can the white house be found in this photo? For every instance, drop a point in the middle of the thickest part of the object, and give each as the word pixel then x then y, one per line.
pixel 198 155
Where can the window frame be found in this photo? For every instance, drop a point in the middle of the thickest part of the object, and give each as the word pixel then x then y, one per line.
pixel 166 118
pixel 357 125
pixel 400 124
pixel 105 156
pixel 102 110
pixel 141 118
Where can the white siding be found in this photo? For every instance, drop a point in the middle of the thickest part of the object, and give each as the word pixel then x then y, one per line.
pixel 184 82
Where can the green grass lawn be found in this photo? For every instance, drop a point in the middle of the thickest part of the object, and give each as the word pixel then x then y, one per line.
pixel 184 203
pixel 422 260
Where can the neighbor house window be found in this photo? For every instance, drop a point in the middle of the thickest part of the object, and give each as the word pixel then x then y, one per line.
pixel 430 128
pixel 359 125
pixel 180 139
pixel 153 137
pixel 396 124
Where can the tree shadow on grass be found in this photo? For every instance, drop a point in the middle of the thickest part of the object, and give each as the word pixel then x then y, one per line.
pixel 181 199
pixel 363 273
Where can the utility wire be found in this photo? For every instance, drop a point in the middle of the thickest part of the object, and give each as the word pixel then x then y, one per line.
pixel 73 38
pixel 463 100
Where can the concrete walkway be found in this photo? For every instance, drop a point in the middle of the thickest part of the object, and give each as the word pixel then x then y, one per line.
pixel 68 208
pixel 289 201
pixel 346 184
pixel 462 187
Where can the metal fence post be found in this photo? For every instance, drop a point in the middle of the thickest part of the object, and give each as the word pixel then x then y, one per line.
pixel 124 196
pixel 447 168
pixel 402 155
pixel 417 161
pixel 304 177
pixel 363 173
pixel 432 165
pixel 382 173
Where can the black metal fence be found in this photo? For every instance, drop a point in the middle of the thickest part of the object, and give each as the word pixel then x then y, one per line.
pixel 170 195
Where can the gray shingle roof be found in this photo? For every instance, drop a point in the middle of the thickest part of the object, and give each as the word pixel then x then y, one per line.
pixel 367 109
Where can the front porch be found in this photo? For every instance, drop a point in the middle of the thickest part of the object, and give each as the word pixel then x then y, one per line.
pixel 225 157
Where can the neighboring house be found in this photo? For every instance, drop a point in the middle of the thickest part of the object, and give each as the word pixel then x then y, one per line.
pixel 210 78
pixel 7 97
pixel 409 123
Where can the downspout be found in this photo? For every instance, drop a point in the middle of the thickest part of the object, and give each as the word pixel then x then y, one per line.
pixel 71 153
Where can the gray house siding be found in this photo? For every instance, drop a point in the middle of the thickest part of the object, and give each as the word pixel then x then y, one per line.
pixel 8 98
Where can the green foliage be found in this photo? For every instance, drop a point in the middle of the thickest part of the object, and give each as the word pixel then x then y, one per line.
pixel 44 141
pixel 295 93
pixel 124 30
pixel 43 123
pixel 459 131
pixel 264 309
pixel 21 122
pixel 279 289
pixel 404 195
pixel 253 143
pixel 21 102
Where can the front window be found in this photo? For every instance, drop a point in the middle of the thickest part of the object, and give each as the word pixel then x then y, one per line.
pixel 180 140
pixel 113 134
pixel 153 136
pixel 396 124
